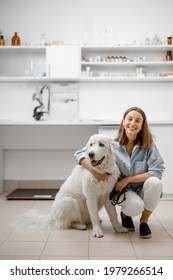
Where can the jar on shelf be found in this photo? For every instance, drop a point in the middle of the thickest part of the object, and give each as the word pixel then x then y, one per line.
pixel 15 41
pixel 2 41
pixel 169 40
pixel 169 56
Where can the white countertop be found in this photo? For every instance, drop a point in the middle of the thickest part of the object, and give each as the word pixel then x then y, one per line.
pixel 75 122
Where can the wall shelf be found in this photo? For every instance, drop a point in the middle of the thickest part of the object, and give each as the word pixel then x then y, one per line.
pixel 26 79
pixel 135 63
pixel 29 63
pixel 132 48
pixel 84 79
pixel 23 48
pixel 126 63
pixel 127 79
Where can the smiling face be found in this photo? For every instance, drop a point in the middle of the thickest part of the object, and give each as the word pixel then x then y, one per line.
pixel 132 124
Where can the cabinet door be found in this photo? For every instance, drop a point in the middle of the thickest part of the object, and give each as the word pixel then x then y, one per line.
pixel 163 139
pixel 1 162
pixel 63 61
pixel 110 130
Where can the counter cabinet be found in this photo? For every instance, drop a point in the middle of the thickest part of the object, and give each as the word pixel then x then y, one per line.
pixel 51 158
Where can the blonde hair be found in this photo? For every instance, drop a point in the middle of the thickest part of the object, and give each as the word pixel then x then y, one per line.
pixel 144 137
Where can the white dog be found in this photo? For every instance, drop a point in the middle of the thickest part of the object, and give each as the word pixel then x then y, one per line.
pixel 82 195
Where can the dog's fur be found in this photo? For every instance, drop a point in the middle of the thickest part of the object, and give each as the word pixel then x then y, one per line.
pixel 82 195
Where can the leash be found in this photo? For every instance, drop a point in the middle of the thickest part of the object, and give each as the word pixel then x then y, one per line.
pixel 117 197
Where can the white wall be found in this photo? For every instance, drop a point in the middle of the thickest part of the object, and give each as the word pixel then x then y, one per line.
pixel 73 20
pixel 110 100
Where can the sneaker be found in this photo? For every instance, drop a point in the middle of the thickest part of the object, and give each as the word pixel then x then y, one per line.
pixel 127 222
pixel 144 230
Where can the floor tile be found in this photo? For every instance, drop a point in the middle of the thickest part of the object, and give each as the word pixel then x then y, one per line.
pixel 69 235
pixel 161 235
pixel 153 249
pixel 111 249
pixel 170 232
pixel 28 235
pixel 66 249
pixel 4 235
pixel 21 248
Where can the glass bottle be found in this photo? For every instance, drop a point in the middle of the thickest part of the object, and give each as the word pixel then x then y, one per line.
pixel 169 40
pixel 42 40
pixel 156 40
pixel 2 41
pixel 15 41
pixel 169 55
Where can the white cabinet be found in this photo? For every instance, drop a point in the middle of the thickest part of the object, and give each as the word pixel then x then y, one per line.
pixel 63 62
pixel 39 63
pixel 126 63
pixel 163 139
pixel 22 63
pixel 1 162
pixel 110 130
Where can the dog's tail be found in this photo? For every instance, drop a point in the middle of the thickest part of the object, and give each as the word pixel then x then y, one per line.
pixel 31 219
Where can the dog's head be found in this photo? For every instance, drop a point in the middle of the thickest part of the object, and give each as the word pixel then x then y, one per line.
pixel 101 150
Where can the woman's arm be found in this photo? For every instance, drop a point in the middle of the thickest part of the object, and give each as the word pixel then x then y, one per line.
pixel 132 179
pixel 81 158
pixel 86 164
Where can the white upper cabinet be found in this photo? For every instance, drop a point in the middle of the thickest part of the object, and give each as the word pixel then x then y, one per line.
pixel 22 63
pixel 39 63
pixel 63 62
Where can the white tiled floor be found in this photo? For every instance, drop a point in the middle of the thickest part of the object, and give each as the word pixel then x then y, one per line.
pixel 75 244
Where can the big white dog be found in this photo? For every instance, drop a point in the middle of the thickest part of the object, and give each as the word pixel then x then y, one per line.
pixel 82 195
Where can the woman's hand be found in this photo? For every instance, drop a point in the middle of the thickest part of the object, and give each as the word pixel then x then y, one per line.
pixel 100 176
pixel 122 184
pixel 86 164
pixel 132 179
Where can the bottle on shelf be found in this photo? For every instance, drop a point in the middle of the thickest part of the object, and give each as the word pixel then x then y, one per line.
pixel 169 56
pixel 15 41
pixel 42 40
pixel 156 40
pixel 2 41
pixel 169 40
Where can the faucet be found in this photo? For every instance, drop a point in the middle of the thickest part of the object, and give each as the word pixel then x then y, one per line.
pixel 39 110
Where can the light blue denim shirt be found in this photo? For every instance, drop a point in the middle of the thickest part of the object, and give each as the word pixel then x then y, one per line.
pixel 142 160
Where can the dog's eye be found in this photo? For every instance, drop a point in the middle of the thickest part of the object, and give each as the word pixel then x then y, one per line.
pixel 101 144
pixel 91 144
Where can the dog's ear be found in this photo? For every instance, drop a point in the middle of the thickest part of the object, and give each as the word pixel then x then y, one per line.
pixel 114 145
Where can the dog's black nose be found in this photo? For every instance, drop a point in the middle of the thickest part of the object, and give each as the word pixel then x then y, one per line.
pixel 91 155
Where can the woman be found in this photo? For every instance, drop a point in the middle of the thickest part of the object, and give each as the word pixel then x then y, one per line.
pixel 141 167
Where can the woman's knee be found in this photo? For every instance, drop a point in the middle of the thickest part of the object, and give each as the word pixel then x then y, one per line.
pixel 153 185
pixel 133 205
pixel 151 193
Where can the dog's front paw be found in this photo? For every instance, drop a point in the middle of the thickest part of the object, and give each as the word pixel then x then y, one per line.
pixel 97 232
pixel 78 226
pixel 121 229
